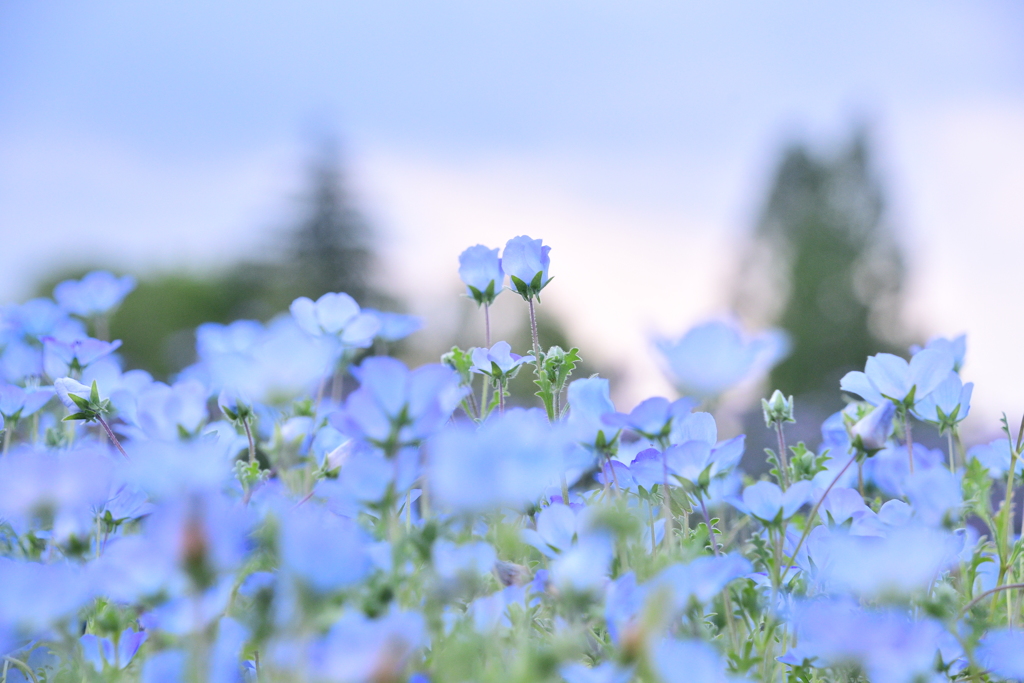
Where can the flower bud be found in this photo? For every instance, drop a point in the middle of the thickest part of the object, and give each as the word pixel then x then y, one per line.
pixel 777 409
pixel 872 431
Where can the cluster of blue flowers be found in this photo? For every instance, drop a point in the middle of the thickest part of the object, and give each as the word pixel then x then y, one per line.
pixel 259 520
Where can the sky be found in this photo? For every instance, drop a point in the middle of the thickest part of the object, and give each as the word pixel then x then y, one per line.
pixel 637 139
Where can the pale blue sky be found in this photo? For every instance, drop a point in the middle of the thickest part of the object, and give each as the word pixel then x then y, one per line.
pixel 173 133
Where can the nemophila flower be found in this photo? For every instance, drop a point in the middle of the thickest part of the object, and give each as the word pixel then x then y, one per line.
pixel 888 645
pixel 585 566
pixel 948 404
pixel 336 314
pixel 770 504
pixel 159 411
pixel 906 560
pixel 480 270
pixel 890 377
pixel 35 597
pixel 268 364
pixel 556 529
pixel 871 433
pixel 995 456
pixel 394 406
pixel 491 611
pixel 526 261
pixel 607 672
pixel 60 359
pixel 700 580
pixel 322 550
pixel 394 326
pixel 654 418
pixel 1002 652
pixel 361 649
pixel 469 560
pixel 935 495
pixel 889 468
pixel 590 400
pixel 40 318
pixel 97 293
pixel 18 402
pixel 65 488
pixel 498 361
pixel 101 652
pixel 841 505
pixel 716 356
pixel 683 661
pixel 956 347
pixel 165 666
pixel 508 461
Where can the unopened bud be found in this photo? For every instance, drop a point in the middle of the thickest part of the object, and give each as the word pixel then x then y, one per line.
pixel 872 431
pixel 777 409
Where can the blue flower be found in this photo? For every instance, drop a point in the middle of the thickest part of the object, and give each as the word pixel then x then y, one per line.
pixel 98 293
pixel 683 661
pixel 585 566
pixel 948 404
pixel 716 356
pixel 1002 652
pixel 62 358
pixel 607 672
pixel 481 272
pixel 16 402
pixel 336 314
pixel 470 560
pixel 770 504
pixel 100 652
pixel 508 461
pixel 890 377
pixel 589 401
pixel 394 406
pixel 871 432
pixel 324 551
pixel 653 419
pixel 556 530
pixel 995 456
pixel 956 347
pixel 394 326
pixel 498 361
pixel 526 261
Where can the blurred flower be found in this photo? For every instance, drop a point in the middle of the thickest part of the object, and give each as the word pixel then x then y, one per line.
pixel 995 456
pixel 62 358
pixel 97 293
pixel 716 356
pixel 394 406
pixel 17 402
pixel 526 261
pixel 607 672
pixel 1002 652
pixel 956 347
pixel 101 652
pixel 508 461
pixel 481 272
pixel 682 661
pixel 498 361
pixel 323 550
pixel 336 314
pixel 394 326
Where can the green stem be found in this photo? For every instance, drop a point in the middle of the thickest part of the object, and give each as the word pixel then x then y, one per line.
pixel 23 666
pixel 110 435
pixel 783 458
pixel 910 438
pixel 252 444
pixel 810 517
pixel 487 325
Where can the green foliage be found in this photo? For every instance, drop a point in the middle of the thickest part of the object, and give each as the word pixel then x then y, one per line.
pixel 825 267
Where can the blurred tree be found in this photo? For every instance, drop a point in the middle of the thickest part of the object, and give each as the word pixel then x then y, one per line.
pixel 824 265
pixel 326 249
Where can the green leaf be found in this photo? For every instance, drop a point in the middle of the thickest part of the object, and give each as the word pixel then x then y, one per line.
pixel 536 283
pixel 521 287
pixel 79 401
pixel 94 393
pixel 78 416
